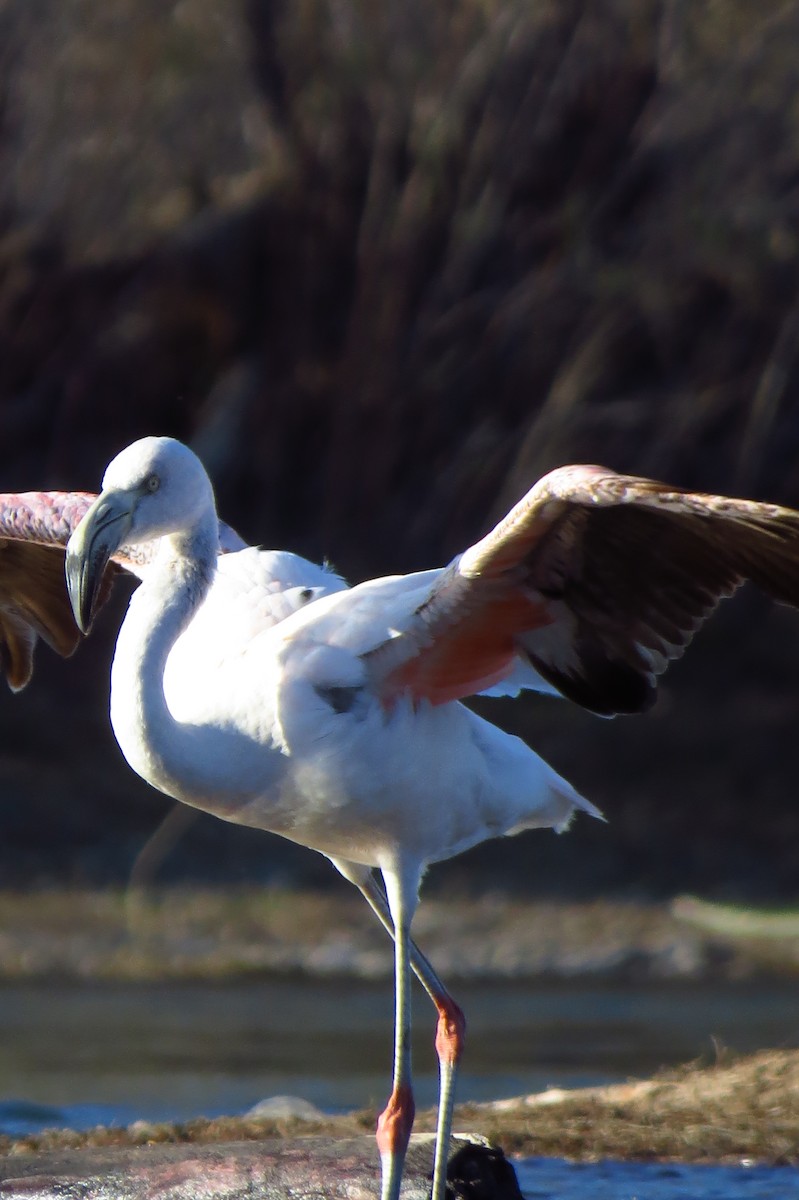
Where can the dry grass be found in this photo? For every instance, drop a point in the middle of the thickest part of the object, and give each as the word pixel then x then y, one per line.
pixel 748 1109
pixel 744 1109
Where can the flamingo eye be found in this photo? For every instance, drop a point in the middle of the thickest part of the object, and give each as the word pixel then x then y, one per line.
pixel 152 483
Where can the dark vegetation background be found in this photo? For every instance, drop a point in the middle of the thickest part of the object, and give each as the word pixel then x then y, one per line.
pixel 384 264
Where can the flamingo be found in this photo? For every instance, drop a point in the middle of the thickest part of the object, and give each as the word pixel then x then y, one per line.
pixel 259 687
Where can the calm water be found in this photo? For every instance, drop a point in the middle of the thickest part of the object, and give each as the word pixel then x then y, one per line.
pixel 78 1055
pixel 549 1179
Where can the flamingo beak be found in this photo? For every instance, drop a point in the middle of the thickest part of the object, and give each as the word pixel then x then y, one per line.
pixel 99 535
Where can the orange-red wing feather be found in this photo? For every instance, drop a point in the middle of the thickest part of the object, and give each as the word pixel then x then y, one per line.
pixel 478 652
pixel 598 581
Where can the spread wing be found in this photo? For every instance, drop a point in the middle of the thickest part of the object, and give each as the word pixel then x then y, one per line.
pixel 593 583
pixel 34 530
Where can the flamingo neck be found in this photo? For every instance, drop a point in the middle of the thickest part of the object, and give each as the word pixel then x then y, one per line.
pixel 157 747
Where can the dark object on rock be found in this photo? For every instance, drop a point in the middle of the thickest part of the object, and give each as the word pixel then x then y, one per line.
pixel 480 1171
pixel 274 1169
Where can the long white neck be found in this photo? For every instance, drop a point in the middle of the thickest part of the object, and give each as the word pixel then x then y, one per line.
pixel 159 748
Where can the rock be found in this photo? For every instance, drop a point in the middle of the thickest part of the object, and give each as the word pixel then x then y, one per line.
pixel 297 1168
pixel 278 1108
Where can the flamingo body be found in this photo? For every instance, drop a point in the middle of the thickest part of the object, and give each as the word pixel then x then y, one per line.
pixel 293 736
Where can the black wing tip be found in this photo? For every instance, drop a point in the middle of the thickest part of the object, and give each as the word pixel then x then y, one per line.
pixel 605 686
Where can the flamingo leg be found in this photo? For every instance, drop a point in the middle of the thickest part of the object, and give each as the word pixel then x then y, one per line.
pixel 451 1026
pixel 449 1047
pixel 396 1121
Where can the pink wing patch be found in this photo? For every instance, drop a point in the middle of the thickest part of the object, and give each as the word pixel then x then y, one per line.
pixel 476 652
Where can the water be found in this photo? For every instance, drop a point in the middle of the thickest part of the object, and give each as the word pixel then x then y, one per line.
pixel 551 1179
pixel 83 1054
pixel 115 1053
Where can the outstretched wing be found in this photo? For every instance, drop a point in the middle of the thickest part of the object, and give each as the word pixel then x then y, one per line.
pixel 34 530
pixel 594 582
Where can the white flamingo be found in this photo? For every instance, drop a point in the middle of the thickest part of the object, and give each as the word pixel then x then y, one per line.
pixel 259 688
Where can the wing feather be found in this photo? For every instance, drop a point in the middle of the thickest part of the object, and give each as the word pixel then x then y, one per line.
pixel 598 581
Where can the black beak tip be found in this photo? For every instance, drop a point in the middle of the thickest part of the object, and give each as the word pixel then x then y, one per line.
pixel 82 591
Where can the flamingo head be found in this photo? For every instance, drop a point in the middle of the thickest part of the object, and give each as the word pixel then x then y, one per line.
pixel 154 488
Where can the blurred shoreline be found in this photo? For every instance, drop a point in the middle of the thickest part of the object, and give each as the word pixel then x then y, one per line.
pixel 181 934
